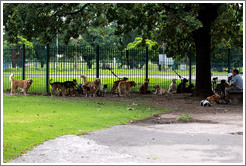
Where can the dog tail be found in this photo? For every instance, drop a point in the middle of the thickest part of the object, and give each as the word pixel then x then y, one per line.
pixel 50 83
pixel 11 77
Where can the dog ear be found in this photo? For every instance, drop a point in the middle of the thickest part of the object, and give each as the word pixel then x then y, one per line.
pixel 30 81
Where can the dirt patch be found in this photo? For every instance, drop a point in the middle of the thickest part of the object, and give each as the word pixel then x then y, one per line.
pixel 159 120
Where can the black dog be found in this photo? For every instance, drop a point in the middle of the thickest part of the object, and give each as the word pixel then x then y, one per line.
pixel 70 84
pixel 181 87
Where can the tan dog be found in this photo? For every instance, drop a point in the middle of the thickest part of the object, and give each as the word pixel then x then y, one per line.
pixel 116 84
pixel 172 87
pixel 159 90
pixel 213 99
pixel 24 84
pixel 125 86
pixel 92 86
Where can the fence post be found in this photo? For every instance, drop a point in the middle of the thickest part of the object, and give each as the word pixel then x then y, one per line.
pixel 228 58
pixel 147 62
pixel 23 61
pixel 97 61
pixel 190 66
pixel 47 67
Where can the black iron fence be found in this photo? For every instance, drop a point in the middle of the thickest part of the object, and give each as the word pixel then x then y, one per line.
pixel 42 63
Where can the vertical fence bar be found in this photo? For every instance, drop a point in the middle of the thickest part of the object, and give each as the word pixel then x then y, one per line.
pixel 228 58
pixel 147 63
pixel 23 61
pixel 97 61
pixel 190 66
pixel 127 59
pixel 47 67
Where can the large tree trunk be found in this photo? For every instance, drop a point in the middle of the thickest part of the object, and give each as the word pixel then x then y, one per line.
pixel 203 72
pixel 202 37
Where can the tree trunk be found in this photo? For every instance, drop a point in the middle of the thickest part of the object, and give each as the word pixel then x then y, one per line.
pixel 202 37
pixel 203 72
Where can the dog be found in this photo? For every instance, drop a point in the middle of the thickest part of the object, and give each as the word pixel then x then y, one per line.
pixel 181 87
pixel 57 85
pixel 70 84
pixel 159 90
pixel 172 87
pixel 80 89
pixel 115 85
pixel 144 88
pixel 125 86
pixel 23 84
pixel 91 86
pixel 213 99
pixel 102 91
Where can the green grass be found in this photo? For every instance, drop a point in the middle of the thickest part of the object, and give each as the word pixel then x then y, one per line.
pixel 185 117
pixel 30 120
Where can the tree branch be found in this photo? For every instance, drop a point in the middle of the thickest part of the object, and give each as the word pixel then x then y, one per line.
pixel 83 7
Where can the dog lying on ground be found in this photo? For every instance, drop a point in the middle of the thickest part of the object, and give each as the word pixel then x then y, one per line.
pixel 57 85
pixel 213 99
pixel 159 90
pixel 172 87
pixel 91 86
pixel 125 86
pixel 115 85
pixel 144 88
pixel 24 84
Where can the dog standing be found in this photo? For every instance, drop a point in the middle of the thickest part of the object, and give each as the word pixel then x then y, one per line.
pixel 91 86
pixel 172 87
pixel 24 84
pixel 57 85
pixel 125 86
pixel 116 84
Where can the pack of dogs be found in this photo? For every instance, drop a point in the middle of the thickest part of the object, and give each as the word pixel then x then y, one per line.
pixel 121 87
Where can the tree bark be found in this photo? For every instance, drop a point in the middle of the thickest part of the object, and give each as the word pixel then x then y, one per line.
pixel 202 38
pixel 203 70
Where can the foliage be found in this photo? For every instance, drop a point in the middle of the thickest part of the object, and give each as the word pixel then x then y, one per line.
pixel 26 127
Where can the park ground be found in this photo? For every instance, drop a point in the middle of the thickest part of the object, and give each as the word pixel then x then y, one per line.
pixel 144 129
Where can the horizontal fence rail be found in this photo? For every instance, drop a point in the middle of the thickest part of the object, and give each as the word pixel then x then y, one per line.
pixel 43 63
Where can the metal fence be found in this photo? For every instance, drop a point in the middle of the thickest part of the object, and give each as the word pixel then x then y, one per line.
pixel 42 63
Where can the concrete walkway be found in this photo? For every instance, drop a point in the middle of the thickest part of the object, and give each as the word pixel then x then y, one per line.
pixel 146 143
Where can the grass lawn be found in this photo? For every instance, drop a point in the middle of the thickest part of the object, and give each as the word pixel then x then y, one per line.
pixel 30 120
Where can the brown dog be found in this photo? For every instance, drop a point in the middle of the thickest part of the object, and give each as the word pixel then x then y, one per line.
pixel 24 84
pixel 115 85
pixel 144 88
pixel 159 90
pixel 213 99
pixel 92 86
pixel 58 85
pixel 125 86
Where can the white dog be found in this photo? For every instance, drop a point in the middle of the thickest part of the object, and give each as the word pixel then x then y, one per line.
pixel 172 87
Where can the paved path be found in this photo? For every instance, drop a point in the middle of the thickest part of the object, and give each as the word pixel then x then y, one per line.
pixel 146 143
